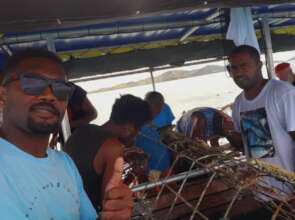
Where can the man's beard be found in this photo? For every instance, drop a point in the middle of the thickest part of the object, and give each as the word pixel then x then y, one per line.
pixel 42 128
pixel 245 83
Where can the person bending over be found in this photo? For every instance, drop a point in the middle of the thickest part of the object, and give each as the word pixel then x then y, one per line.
pixel 95 148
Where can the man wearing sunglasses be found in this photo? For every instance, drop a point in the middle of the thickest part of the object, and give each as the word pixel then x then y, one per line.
pixel 36 181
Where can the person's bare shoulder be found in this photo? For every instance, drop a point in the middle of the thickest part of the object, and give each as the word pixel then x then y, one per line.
pixel 113 142
pixel 112 147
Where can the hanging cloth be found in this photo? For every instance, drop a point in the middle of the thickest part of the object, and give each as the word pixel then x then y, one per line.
pixel 241 29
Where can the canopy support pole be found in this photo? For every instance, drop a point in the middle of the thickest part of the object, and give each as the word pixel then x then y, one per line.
pixel 7 49
pixel 65 124
pixel 188 33
pixel 268 49
pixel 153 79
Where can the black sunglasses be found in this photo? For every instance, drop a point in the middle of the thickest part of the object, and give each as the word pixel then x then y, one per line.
pixel 33 84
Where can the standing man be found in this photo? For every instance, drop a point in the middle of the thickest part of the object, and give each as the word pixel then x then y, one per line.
pixel 263 114
pixel 284 72
pixel 38 182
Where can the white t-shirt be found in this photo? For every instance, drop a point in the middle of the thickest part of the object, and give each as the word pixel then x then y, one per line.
pixel 41 188
pixel 265 121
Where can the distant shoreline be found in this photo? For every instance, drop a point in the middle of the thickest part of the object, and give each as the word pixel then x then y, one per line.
pixel 167 76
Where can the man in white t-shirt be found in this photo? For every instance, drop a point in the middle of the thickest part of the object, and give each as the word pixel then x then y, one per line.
pixel 38 182
pixel 264 113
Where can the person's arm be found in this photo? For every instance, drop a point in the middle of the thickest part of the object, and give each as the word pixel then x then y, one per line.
pixel 233 136
pixel 230 127
pixel 235 139
pixel 118 200
pixel 117 203
pixel 285 109
pixel 105 159
pixel 199 127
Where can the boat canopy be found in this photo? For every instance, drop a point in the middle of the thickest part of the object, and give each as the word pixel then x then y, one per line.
pixel 99 37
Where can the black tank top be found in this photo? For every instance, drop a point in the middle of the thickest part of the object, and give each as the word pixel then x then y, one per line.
pixel 82 146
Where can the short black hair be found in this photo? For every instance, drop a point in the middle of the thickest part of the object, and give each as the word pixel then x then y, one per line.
pixel 131 109
pixel 154 98
pixel 252 51
pixel 13 61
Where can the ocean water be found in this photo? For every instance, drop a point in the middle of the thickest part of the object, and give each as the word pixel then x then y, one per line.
pixel 213 90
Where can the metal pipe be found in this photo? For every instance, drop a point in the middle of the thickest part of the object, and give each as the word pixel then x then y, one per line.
pixel 188 33
pixel 275 15
pixel 65 124
pixel 51 44
pixel 117 29
pixel 268 44
pixel 153 79
pixel 193 29
pixel 7 49
pixel 175 178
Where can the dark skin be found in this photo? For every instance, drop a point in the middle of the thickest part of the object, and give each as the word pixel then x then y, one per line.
pixel 112 149
pixel 199 131
pixel 21 109
pixel 105 162
pixel 246 72
pixel 286 75
pixel 15 122
pixel 235 139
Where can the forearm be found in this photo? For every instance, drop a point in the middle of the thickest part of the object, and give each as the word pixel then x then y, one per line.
pixel 235 139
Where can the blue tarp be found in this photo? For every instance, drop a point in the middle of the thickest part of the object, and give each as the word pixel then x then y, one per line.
pixel 165 34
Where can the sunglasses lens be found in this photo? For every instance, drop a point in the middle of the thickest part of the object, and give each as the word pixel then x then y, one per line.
pixel 33 85
pixel 62 90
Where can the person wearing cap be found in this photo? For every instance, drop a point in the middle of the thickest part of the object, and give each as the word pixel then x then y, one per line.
pixel 284 72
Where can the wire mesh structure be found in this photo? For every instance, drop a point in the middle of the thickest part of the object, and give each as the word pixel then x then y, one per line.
pixel 213 183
